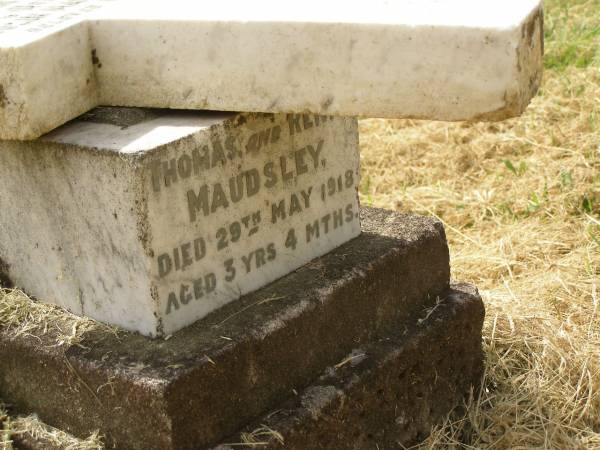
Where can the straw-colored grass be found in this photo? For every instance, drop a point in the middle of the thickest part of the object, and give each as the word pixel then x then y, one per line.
pixel 49 437
pixel 5 441
pixel 21 316
pixel 521 205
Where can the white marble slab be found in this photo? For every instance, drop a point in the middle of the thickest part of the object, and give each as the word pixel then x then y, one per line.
pixel 150 219
pixel 435 59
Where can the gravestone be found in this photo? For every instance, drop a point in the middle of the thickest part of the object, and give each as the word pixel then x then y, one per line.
pixel 289 314
pixel 426 59
pixel 151 219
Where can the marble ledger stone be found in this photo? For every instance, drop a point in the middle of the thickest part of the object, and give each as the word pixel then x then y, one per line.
pixel 432 59
pixel 150 219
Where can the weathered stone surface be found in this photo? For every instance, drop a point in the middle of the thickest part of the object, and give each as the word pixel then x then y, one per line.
pixel 388 393
pixel 151 219
pixel 208 380
pixel 414 58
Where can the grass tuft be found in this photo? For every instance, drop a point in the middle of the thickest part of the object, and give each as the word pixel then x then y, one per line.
pixel 5 440
pixel 48 436
pixel 572 34
pixel 21 315
pixel 261 436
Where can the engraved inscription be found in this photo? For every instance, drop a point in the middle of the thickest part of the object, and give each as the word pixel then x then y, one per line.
pixel 259 201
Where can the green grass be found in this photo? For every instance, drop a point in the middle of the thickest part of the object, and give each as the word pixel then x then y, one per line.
pixel 571 41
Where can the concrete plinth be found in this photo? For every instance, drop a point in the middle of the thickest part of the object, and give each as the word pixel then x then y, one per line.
pixel 385 394
pixel 388 393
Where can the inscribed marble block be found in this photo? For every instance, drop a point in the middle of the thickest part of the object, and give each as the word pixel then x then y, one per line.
pixel 430 59
pixel 151 219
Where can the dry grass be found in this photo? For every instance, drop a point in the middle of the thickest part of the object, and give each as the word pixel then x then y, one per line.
pixel 5 442
pixel 50 437
pixel 20 315
pixel 261 437
pixel 521 204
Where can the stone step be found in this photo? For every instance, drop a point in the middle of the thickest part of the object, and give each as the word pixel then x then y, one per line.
pixel 387 393
pixel 211 378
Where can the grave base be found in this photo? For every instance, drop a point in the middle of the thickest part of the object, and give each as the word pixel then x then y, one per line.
pixel 384 295
pixel 387 394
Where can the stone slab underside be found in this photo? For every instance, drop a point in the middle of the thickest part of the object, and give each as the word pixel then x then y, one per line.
pixel 428 59
pixel 212 378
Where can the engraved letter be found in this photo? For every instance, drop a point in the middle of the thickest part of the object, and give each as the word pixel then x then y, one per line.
pixel 199 249
pixel 275 134
pixel 312 230
pixel 169 168
pixel 236 188
pixel 349 213
pixel 155 168
pixel 186 256
pixel 325 220
pixel 247 260
pixel 198 202
pixel 315 154
pixel 172 303
pixel 210 283
pixel 252 182
pixel 184 166
pixel 164 265
pixel 271 252
pixel 263 138
pixel 294 123
pixel 270 174
pixel 295 205
pixel 285 176
pixel 301 166
pixel 306 197
pixel 278 211
pixel 251 146
pixel 184 295
pixel 201 161
pixel 338 218
pixel 219 199
pixel 198 289
pixel 306 121
pixel 218 155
